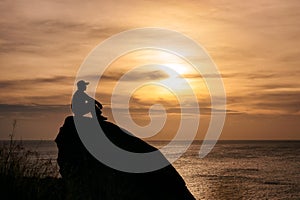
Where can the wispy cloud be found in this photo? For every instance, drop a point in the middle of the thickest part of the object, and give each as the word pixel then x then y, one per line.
pixel 140 75
pixel 266 102
pixel 29 83
pixel 249 75
pixel 34 111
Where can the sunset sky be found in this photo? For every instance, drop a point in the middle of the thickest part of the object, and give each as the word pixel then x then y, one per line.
pixel 255 45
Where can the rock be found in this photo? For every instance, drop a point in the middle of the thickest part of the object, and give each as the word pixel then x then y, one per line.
pixel 87 178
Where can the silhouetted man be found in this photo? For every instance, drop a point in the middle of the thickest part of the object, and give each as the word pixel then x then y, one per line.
pixel 83 104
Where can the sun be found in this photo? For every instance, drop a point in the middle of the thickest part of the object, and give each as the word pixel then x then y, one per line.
pixel 174 62
pixel 175 80
pixel 176 68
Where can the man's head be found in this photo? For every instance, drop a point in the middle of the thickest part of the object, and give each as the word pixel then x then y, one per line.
pixel 81 85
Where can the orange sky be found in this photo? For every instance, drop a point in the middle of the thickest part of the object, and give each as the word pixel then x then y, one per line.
pixel 255 45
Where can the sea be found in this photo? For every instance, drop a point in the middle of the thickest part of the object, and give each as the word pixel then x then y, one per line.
pixel 232 170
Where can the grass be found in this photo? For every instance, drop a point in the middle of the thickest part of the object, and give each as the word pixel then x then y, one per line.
pixel 24 174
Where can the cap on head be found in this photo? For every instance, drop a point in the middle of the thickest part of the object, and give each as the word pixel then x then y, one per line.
pixel 82 83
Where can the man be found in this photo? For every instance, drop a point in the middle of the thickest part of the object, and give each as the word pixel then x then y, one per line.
pixel 83 104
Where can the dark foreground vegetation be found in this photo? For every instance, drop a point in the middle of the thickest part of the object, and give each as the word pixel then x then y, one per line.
pixel 26 175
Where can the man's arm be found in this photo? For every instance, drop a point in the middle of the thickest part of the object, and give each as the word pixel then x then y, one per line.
pixel 90 99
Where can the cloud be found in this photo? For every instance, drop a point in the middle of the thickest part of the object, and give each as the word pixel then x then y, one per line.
pixel 278 85
pixel 266 102
pixel 52 37
pixel 29 83
pixel 42 90
pixel 142 106
pixel 133 76
pixel 22 111
pixel 244 75
pixel 31 108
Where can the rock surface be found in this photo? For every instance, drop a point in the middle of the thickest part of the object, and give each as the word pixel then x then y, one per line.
pixel 87 178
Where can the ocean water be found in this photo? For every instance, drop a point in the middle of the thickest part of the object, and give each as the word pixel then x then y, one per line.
pixel 232 170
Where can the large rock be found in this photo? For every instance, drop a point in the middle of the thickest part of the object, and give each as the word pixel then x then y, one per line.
pixel 87 178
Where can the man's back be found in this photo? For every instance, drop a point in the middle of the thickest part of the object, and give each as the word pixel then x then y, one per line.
pixel 81 103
